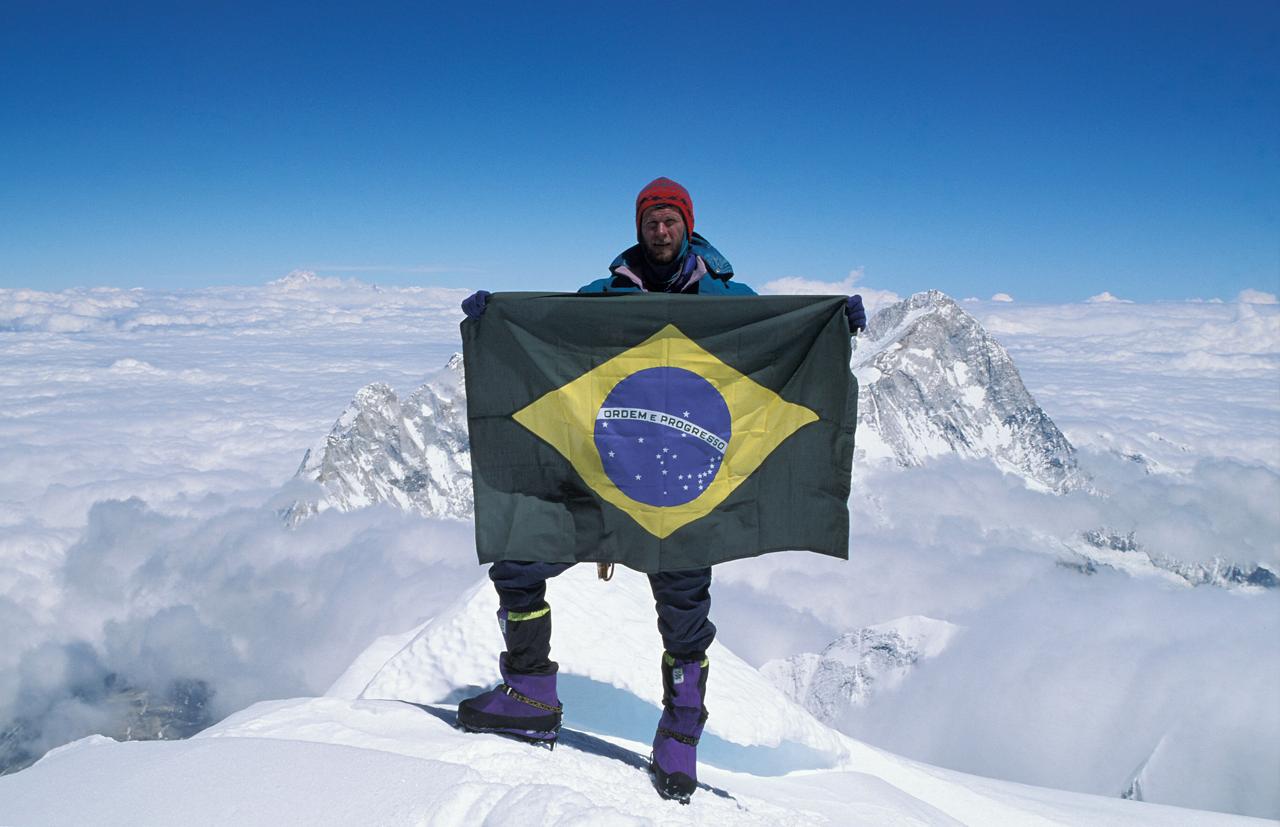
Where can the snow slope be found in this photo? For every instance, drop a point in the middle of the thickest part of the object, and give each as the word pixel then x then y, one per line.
pixel 391 755
pixel 317 761
pixel 605 667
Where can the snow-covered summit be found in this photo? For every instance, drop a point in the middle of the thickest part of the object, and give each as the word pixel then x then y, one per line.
pixel 456 652
pixel 331 761
pixel 933 382
pixel 380 748
pixel 413 454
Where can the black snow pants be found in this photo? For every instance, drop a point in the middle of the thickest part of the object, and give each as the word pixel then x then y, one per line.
pixel 683 601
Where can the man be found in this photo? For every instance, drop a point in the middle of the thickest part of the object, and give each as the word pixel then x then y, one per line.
pixel 669 257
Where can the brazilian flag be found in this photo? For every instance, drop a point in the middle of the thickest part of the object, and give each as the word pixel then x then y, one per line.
pixel 659 431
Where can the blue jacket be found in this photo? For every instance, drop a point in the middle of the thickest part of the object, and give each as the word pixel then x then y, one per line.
pixel 712 273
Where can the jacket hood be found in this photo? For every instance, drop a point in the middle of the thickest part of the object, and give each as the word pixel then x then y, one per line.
pixel 717 265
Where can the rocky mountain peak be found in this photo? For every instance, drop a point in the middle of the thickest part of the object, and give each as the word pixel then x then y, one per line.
pixel 414 453
pixel 933 382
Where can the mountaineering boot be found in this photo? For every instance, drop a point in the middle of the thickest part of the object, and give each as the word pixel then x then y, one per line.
pixel 675 744
pixel 525 704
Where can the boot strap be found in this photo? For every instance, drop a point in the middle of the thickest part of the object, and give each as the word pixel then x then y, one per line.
pixel 525 699
pixel 678 736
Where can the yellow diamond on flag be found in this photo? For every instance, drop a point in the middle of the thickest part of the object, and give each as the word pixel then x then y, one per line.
pixel 665 431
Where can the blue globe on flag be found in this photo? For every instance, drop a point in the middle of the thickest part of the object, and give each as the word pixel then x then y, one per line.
pixel 662 434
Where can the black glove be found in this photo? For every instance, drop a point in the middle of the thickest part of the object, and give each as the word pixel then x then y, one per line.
pixel 474 304
pixel 855 313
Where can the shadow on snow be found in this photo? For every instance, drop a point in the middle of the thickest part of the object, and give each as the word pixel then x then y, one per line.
pixel 608 710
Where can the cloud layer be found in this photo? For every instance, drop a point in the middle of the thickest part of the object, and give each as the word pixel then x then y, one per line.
pixel 147 440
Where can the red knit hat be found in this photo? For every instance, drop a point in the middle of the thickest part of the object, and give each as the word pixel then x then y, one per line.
pixel 665 192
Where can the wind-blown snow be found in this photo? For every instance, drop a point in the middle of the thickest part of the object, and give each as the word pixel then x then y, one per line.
pixel 148 441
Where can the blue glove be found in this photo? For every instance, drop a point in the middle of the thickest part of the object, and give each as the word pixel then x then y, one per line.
pixel 474 304
pixel 855 313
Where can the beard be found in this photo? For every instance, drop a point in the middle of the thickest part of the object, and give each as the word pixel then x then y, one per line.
pixel 662 255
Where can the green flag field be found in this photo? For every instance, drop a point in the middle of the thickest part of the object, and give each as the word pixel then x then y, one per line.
pixel 661 432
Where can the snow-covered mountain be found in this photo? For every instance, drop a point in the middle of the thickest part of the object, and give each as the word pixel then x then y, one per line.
pixel 379 748
pixel 858 664
pixel 933 382
pixel 413 454
pixel 1121 551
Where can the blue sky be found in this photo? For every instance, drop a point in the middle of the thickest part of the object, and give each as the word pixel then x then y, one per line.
pixel 1051 153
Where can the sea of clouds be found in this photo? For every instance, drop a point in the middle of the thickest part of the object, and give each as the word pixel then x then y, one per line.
pixel 148 440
